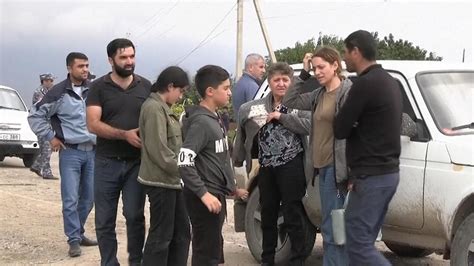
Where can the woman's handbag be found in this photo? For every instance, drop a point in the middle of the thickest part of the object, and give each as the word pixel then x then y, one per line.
pixel 338 224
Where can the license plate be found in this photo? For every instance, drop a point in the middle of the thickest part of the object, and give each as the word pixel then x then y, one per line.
pixel 4 136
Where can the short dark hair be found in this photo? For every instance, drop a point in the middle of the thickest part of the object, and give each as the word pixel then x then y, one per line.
pixel 171 75
pixel 364 41
pixel 209 76
pixel 281 68
pixel 74 55
pixel 116 44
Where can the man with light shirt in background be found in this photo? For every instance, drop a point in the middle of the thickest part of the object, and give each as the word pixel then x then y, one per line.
pixel 60 118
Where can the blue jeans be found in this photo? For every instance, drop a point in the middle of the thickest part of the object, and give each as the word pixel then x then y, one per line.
pixel 77 190
pixel 112 177
pixel 368 204
pixel 330 199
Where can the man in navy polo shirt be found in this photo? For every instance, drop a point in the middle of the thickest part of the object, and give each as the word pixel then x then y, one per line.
pixel 113 109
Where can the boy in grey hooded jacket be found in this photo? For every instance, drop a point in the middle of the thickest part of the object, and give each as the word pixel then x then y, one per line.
pixel 205 167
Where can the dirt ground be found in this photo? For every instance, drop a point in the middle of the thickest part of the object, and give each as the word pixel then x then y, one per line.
pixel 31 228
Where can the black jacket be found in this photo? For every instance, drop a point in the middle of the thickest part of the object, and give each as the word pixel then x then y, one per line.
pixel 370 120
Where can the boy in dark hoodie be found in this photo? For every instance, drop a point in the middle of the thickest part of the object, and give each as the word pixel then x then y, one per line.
pixel 205 167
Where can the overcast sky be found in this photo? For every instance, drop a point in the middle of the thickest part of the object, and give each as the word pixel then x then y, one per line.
pixel 36 36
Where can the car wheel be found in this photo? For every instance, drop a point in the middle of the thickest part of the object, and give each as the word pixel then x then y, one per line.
pixel 462 248
pixel 29 159
pixel 253 232
pixel 407 251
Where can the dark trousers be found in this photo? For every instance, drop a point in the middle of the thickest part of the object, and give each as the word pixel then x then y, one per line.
pixel 207 240
pixel 112 177
pixel 168 238
pixel 364 216
pixel 285 184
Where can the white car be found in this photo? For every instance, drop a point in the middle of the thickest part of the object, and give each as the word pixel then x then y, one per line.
pixel 16 137
pixel 433 208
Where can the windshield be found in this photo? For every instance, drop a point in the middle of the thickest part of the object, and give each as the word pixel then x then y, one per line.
pixel 449 97
pixel 10 99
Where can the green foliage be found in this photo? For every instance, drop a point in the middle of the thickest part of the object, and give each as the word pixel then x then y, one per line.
pixel 387 49
pixel 295 55
pixel 177 109
pixel 190 97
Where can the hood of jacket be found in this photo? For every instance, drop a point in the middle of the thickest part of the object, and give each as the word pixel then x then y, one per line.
pixel 191 113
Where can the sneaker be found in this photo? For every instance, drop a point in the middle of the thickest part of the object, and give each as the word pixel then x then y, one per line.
pixel 74 250
pixel 36 171
pixel 87 242
pixel 50 177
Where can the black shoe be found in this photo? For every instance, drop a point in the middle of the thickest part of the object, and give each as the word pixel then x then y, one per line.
pixel 74 250
pixel 36 171
pixel 267 264
pixel 50 177
pixel 86 242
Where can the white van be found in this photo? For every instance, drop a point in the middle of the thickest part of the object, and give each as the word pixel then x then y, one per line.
pixel 16 137
pixel 433 208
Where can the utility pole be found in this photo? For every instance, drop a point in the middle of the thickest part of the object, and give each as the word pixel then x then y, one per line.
pixel 238 59
pixel 463 54
pixel 271 53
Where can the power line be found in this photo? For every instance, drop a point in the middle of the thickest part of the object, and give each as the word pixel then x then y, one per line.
pixel 166 31
pixel 157 20
pixel 160 34
pixel 326 10
pixel 147 21
pixel 215 36
pixel 207 37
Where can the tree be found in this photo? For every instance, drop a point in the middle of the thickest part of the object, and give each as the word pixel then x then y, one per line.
pixel 192 97
pixel 387 49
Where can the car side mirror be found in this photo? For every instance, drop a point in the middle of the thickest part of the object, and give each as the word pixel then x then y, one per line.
pixel 408 126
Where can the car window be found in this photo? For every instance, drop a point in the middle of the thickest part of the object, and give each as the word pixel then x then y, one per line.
pixel 10 99
pixel 449 97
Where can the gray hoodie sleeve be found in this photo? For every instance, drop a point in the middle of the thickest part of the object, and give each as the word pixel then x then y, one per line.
pixel 238 152
pixel 298 123
pixel 195 140
pixel 296 100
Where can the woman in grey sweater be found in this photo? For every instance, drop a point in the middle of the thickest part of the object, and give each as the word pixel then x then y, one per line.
pixel 328 154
